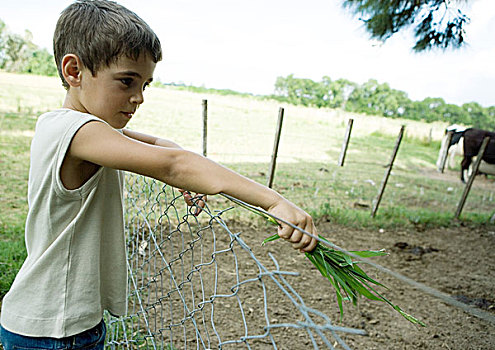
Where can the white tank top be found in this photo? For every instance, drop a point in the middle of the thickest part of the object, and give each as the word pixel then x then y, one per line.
pixel 76 263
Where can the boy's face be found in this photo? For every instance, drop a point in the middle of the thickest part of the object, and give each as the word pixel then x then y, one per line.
pixel 116 91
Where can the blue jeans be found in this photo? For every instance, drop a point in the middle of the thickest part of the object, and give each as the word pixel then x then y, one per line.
pixel 93 338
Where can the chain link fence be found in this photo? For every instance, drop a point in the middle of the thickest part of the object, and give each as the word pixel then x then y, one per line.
pixel 195 284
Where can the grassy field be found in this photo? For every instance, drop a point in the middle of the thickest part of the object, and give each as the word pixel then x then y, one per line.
pixel 240 135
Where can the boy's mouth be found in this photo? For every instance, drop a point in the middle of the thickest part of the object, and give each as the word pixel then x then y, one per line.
pixel 127 114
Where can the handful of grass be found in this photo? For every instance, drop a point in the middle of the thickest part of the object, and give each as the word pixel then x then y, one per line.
pixel 346 277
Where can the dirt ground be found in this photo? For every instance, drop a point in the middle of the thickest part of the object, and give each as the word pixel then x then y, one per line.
pixel 457 261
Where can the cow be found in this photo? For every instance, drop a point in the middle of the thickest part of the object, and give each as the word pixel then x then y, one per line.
pixel 473 138
pixel 456 148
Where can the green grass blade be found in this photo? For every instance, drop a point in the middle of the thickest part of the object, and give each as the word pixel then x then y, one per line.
pixel 270 239
pixel 359 272
pixel 408 317
pixel 368 253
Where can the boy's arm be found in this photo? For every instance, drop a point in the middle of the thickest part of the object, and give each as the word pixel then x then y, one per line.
pixel 197 200
pixel 98 143
pixel 152 140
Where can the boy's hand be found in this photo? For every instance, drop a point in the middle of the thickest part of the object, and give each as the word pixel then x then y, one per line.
pixel 198 200
pixel 298 217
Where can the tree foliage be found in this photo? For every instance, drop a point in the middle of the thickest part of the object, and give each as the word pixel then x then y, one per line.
pixel 437 23
pixel 376 98
pixel 19 54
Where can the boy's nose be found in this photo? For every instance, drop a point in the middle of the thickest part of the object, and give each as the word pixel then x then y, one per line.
pixel 137 98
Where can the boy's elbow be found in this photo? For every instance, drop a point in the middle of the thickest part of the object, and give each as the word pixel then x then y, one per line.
pixel 170 164
pixel 176 167
pixel 189 171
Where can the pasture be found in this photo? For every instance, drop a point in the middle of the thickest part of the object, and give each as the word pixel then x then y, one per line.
pixel 417 208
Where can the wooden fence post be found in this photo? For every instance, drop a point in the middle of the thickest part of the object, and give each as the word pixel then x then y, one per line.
pixel 345 144
pixel 445 152
pixel 473 175
pixel 387 172
pixel 205 125
pixel 275 147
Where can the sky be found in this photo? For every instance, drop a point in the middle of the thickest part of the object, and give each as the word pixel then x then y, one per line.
pixel 246 45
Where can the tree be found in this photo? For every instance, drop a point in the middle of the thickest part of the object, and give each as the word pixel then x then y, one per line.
pixel 376 98
pixel 437 23
pixel 19 54
pixel 477 114
pixel 18 49
pixel 40 62
pixel 299 91
pixel 337 92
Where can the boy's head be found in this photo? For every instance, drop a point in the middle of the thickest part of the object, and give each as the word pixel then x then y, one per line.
pixel 99 32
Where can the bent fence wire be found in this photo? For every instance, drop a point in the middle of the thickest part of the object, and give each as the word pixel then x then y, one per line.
pixel 195 284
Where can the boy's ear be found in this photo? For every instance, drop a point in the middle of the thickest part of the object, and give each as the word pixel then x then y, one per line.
pixel 71 70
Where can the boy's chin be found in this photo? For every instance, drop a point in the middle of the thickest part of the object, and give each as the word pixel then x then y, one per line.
pixel 117 124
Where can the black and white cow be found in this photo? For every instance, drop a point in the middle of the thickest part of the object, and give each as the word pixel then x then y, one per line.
pixel 456 148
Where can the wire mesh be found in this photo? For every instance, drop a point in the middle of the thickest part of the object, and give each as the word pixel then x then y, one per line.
pixel 195 284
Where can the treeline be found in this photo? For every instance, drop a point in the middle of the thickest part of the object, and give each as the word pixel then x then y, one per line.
pixel 379 99
pixel 19 54
pixel 202 89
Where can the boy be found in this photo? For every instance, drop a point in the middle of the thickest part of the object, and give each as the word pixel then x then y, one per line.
pixel 76 264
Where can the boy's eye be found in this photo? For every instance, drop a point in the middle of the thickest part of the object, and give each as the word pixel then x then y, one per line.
pixel 126 81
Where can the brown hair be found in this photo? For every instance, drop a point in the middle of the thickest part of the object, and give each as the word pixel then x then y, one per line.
pixel 101 31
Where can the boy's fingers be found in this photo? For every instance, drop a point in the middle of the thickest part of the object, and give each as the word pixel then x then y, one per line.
pixel 285 231
pixel 305 239
pixel 199 203
pixel 297 217
pixel 203 198
pixel 312 241
pixel 302 244
pixel 311 246
pixel 199 200
pixel 298 239
pixel 187 196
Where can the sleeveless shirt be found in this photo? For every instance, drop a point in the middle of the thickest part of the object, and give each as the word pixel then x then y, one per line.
pixel 76 260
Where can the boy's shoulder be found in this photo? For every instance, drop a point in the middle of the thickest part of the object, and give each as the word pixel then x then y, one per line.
pixel 59 124
pixel 64 117
pixel 60 113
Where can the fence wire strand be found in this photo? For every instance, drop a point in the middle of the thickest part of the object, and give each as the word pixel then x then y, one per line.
pixel 195 284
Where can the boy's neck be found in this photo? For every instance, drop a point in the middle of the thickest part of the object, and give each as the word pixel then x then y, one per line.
pixel 71 102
